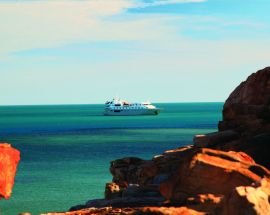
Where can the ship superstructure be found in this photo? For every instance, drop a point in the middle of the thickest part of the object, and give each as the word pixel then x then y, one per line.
pixel 120 107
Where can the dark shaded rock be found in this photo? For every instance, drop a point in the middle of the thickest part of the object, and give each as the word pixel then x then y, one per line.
pixel 214 138
pixel 112 190
pixel 126 202
pixel 158 179
pixel 76 207
pixel 258 147
pixel 147 172
pixel 138 191
pixel 125 170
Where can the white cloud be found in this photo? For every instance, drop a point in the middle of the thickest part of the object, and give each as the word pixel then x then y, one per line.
pixel 42 24
pixel 166 2
pixel 30 24
pixel 45 24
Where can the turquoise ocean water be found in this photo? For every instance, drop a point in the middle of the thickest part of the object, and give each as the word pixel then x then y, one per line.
pixel 66 149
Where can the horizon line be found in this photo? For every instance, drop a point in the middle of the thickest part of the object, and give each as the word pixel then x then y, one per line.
pixel 59 104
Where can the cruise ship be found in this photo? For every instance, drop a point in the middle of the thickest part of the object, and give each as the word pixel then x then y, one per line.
pixel 118 107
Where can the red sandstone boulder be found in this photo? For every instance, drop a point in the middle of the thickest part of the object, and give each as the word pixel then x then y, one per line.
pixel 9 159
pixel 248 200
pixel 210 171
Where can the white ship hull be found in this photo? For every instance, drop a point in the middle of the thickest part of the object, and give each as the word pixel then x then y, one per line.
pixel 131 112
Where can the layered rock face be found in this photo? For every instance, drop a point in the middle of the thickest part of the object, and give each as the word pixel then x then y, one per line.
pixel 9 159
pixel 225 172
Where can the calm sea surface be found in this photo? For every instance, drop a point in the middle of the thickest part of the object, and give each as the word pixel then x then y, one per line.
pixel 66 149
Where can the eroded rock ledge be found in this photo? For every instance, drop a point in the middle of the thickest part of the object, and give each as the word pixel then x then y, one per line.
pixel 224 172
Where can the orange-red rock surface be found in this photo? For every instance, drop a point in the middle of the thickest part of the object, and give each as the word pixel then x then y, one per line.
pixel 9 159
pixel 211 171
pixel 248 199
pixel 133 211
pixel 225 172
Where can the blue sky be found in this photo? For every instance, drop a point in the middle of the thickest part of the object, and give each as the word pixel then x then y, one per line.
pixel 68 52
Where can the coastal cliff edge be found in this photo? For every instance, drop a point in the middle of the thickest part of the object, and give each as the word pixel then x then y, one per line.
pixel 225 172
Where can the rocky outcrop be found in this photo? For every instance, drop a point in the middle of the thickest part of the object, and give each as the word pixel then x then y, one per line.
pixel 211 171
pixel 248 199
pixel 248 102
pixel 247 112
pixel 197 178
pixel 9 159
pixel 148 173
pixel 225 172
